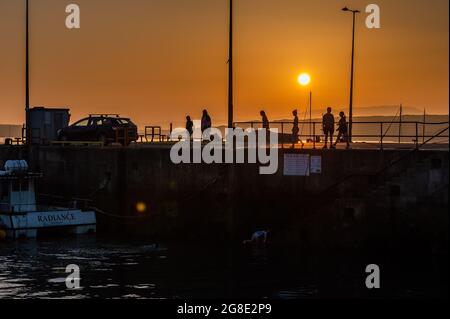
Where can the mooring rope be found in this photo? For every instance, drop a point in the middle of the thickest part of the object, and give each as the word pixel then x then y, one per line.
pixel 97 210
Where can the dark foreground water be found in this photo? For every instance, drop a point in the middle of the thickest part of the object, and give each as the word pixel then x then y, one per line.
pixel 119 269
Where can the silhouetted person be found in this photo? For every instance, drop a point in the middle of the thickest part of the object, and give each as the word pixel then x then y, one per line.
pixel 265 121
pixel 258 238
pixel 189 126
pixel 328 127
pixel 206 121
pixel 342 129
pixel 295 129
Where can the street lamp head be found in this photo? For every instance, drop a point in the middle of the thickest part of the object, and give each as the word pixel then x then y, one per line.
pixel 346 9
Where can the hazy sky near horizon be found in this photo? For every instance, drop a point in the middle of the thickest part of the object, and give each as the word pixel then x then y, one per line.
pixel 159 60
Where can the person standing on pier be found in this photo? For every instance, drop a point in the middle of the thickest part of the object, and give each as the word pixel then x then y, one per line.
pixel 342 130
pixel 190 126
pixel 265 126
pixel 206 121
pixel 265 121
pixel 328 127
pixel 295 129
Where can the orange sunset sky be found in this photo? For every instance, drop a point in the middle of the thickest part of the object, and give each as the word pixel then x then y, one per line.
pixel 158 60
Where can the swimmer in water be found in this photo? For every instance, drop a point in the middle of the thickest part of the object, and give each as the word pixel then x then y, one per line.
pixel 258 238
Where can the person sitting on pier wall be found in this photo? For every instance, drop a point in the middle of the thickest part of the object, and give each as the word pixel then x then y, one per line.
pixel 328 127
pixel 265 121
pixel 258 238
pixel 342 130
pixel 190 126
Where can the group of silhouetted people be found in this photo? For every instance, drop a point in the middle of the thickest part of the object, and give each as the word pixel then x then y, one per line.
pixel 206 123
pixel 328 126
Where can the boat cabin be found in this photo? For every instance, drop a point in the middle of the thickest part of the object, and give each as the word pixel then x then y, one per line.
pixel 18 193
pixel 20 216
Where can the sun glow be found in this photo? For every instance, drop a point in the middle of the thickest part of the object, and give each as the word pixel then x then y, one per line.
pixel 304 79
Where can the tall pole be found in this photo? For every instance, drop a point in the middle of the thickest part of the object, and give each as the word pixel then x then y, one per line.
pixel 231 172
pixel 230 70
pixel 310 114
pixel 351 80
pixel 27 63
pixel 27 77
pixel 423 125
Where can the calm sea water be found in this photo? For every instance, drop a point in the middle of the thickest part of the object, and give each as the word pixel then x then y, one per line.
pixel 115 269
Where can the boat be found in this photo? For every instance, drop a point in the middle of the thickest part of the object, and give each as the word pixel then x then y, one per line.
pixel 22 217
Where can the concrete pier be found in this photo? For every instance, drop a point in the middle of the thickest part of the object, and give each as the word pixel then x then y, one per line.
pixel 360 196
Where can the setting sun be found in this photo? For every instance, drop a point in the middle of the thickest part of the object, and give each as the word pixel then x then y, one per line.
pixel 304 79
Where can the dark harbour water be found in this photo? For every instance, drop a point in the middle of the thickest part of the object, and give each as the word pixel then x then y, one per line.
pixel 119 269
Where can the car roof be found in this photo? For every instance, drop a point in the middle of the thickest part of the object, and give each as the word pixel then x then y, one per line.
pixel 107 117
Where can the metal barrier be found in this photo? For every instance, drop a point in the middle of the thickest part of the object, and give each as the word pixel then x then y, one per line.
pixel 76 143
pixel 123 135
pixel 397 132
pixel 151 132
pixel 380 172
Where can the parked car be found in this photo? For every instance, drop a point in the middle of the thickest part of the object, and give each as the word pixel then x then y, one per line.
pixel 103 128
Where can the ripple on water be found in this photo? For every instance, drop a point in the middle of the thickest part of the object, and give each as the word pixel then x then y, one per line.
pixel 299 293
pixel 104 286
pixel 142 286
pixel 57 280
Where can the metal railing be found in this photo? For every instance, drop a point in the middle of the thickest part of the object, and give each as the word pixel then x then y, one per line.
pixel 394 132
pixel 154 133
pixel 378 174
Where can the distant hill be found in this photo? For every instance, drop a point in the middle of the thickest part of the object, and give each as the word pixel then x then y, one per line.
pixel 383 118
pixel 405 118
pixel 387 110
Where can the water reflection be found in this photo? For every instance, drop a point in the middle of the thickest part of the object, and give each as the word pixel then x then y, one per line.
pixel 113 269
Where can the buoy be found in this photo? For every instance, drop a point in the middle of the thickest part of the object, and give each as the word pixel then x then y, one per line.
pixel 16 166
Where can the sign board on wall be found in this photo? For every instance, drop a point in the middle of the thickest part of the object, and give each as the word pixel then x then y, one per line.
pixel 316 165
pixel 296 165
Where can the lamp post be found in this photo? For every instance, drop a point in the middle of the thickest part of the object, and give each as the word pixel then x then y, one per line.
pixel 350 130
pixel 27 76
pixel 27 64
pixel 230 69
